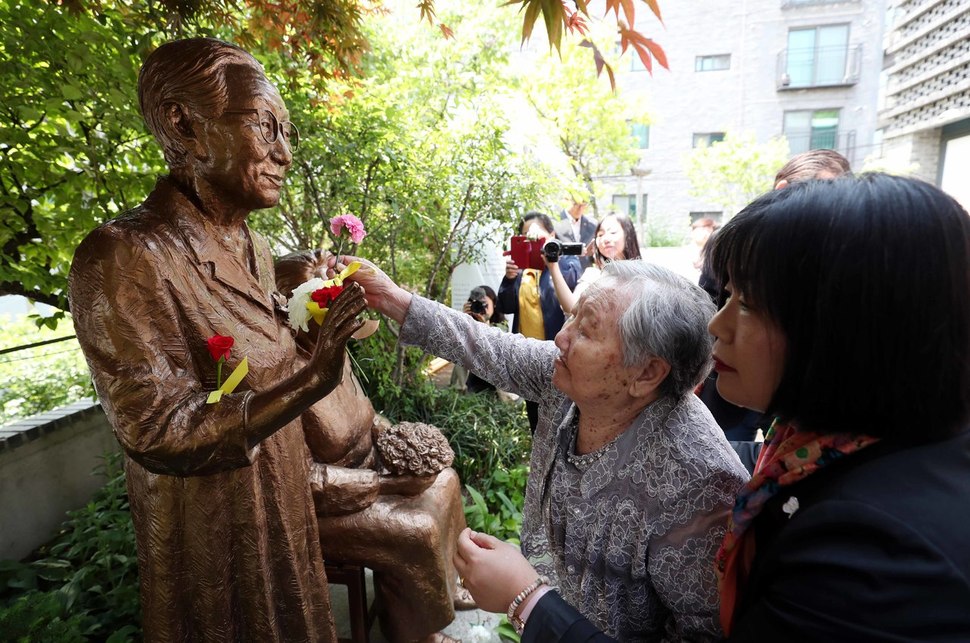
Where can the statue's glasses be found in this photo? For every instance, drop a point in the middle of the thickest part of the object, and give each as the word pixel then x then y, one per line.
pixel 272 128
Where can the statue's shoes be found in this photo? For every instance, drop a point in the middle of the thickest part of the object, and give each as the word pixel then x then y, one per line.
pixel 463 599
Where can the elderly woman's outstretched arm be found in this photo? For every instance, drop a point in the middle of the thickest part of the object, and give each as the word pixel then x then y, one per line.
pixel 509 361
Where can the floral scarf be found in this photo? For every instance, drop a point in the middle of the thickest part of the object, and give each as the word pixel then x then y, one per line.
pixel 789 455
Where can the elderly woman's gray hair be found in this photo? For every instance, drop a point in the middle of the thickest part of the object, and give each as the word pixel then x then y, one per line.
pixel 189 73
pixel 667 318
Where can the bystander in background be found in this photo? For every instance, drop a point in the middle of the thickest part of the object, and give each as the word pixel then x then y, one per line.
pixel 530 296
pixel 577 227
pixel 481 307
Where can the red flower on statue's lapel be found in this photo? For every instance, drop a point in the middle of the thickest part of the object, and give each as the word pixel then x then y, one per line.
pixel 325 296
pixel 219 347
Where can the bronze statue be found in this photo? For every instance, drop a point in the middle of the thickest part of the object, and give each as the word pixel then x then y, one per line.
pixel 223 487
pixel 398 518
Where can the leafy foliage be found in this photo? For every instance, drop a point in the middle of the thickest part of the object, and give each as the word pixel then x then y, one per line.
pixel 560 18
pixel 487 435
pixel 591 124
pixel 734 171
pixel 84 585
pixel 72 154
pixel 39 379
pixel 418 153
pixel 498 510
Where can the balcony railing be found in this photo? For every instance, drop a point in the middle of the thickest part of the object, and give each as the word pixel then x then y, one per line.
pixel 842 141
pixel 819 67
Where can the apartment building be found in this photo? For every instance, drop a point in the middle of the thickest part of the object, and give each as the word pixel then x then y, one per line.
pixel 925 111
pixel 808 70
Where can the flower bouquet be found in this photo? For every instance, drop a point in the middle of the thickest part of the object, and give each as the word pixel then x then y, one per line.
pixel 312 299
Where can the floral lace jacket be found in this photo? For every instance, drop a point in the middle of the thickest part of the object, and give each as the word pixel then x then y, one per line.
pixel 628 533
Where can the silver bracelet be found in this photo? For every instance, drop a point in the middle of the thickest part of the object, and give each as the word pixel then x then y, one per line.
pixel 517 622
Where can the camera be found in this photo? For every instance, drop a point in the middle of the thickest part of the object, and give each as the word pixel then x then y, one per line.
pixel 555 249
pixel 476 302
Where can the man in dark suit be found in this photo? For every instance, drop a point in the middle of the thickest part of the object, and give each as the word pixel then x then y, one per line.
pixel 576 226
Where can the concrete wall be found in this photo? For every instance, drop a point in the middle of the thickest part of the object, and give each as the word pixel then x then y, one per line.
pixel 46 469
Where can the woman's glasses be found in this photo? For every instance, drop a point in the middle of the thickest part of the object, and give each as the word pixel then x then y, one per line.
pixel 272 128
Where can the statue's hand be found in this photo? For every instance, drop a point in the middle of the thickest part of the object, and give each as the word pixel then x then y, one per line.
pixel 406 484
pixel 339 490
pixel 327 361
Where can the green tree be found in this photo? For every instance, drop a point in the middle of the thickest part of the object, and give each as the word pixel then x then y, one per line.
pixel 734 171
pixel 590 122
pixel 72 152
pixel 73 149
pixel 416 150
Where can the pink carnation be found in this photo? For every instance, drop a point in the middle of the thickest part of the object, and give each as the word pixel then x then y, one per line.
pixel 355 227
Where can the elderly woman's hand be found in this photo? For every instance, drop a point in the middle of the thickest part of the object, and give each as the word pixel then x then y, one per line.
pixel 492 570
pixel 382 294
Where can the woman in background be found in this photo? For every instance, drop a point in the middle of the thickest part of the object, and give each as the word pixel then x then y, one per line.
pixel 615 239
pixel 481 307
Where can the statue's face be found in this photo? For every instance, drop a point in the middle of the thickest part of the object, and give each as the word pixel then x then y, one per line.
pixel 237 162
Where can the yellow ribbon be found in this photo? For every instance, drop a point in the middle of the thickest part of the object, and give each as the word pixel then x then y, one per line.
pixel 231 382
pixel 319 314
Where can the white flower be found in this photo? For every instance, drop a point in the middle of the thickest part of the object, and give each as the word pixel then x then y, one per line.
pixel 790 506
pixel 296 306
pixel 535 232
pixel 479 634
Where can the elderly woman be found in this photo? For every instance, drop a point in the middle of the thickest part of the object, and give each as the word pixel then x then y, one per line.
pixel 631 480
pixel 221 498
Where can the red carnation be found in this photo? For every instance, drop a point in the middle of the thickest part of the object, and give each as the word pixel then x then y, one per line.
pixel 219 346
pixel 325 296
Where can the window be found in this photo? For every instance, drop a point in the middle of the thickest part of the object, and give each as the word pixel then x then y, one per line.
pixel 641 135
pixel 705 139
pixel 812 130
pixel 817 56
pixel 627 204
pixel 715 215
pixel 712 63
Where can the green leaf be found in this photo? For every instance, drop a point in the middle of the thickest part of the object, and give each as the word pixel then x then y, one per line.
pixel 70 92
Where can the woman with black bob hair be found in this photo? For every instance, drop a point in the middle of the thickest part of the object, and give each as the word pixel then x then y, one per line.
pixel 849 321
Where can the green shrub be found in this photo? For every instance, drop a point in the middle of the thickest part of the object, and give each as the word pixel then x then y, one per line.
pixel 665 236
pixel 498 509
pixel 84 584
pixel 38 379
pixel 37 617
